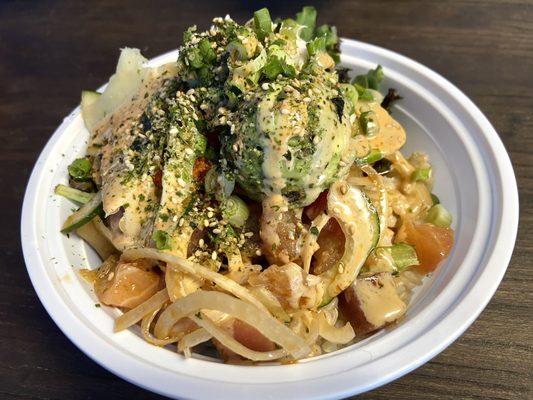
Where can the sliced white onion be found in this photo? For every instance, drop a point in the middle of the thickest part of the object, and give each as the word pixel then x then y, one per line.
pixel 271 302
pixel 136 314
pixel 193 339
pixel 145 330
pixel 261 320
pixel 333 334
pixel 194 269
pixel 227 340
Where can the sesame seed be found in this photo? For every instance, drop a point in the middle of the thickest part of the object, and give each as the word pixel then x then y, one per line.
pixel 175 218
pixel 258 252
pixel 210 214
pixel 206 223
pixel 189 151
pixel 248 234
pixel 343 188
pixel 214 255
pixel 264 86
pixel 217 231
pixel 201 243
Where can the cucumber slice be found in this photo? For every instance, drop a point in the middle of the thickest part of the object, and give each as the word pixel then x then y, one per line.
pixel 73 194
pixel 359 222
pixel 85 214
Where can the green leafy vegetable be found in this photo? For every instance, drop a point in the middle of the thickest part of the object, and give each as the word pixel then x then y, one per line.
pixel 371 80
pixel 206 51
pixel 307 18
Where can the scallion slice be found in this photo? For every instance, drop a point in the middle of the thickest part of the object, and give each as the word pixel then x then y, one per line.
pixel 73 194
pixel 80 169
pixel 439 216
pixel 235 211
pixel 421 174
pixel 262 23
pixel 368 123
pixel 402 255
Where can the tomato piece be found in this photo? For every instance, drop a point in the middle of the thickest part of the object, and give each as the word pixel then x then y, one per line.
pixel 432 244
pixel 331 241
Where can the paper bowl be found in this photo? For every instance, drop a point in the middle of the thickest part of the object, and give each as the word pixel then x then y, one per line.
pixel 474 178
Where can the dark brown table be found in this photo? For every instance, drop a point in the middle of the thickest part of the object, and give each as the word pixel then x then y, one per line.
pixel 50 51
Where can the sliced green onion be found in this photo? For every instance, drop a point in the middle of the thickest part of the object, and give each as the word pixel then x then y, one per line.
pixel 435 199
pixel 237 50
pixel 421 174
pixel 368 123
pixel 235 211
pixel 207 52
pixel 73 194
pixel 262 23
pixel 373 156
pixel 195 58
pixel 161 240
pixel 80 168
pixel 402 255
pixel 307 18
pixel 439 216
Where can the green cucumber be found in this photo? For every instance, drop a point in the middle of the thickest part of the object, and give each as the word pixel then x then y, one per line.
pixel 75 195
pixel 83 215
pixel 359 222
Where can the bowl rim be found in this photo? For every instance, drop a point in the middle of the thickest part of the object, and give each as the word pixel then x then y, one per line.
pixel 155 378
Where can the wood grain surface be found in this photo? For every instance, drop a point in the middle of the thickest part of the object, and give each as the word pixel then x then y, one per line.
pixel 50 51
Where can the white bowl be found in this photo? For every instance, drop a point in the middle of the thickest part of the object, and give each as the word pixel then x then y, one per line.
pixel 474 178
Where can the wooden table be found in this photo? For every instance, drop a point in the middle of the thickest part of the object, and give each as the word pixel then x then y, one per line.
pixel 50 51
